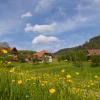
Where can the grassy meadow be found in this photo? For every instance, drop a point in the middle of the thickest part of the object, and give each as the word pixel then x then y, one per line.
pixel 55 81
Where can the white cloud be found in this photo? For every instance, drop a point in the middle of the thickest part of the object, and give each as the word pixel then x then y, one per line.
pixel 72 24
pixel 42 40
pixel 91 9
pixel 27 14
pixel 43 6
pixel 57 27
pixel 40 28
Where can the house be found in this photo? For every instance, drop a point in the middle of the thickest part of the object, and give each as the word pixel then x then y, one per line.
pixel 92 52
pixel 43 56
pixel 13 52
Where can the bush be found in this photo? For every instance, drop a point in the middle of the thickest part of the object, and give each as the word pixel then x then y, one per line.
pixel 5 61
pixel 95 60
pixel 21 58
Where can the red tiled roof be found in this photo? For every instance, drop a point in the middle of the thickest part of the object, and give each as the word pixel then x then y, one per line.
pixel 40 54
pixel 93 52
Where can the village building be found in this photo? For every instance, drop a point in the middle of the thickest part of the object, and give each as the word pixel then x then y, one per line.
pixel 14 53
pixel 43 56
pixel 92 52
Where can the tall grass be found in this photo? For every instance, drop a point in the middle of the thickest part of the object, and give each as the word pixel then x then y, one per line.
pixel 49 82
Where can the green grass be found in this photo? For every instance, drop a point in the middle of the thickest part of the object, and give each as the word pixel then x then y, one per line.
pixel 27 81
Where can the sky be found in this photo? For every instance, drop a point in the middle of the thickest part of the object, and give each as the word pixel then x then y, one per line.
pixel 48 24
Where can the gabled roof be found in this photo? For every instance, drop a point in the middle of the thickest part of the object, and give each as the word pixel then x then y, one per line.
pixel 93 52
pixel 41 53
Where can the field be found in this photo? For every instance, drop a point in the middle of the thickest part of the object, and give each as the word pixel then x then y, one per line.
pixel 56 81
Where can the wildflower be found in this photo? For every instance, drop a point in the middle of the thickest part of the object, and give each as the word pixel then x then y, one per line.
pixel 92 83
pixel 88 86
pixel 52 90
pixel 20 82
pixel 68 76
pixel 4 51
pixel 32 77
pixel 13 81
pixel 70 81
pixel 12 70
pixel 78 91
pixel 62 70
pixel 96 76
pixel 9 62
pixel 43 84
pixel 27 96
pixel 34 83
pixel 77 73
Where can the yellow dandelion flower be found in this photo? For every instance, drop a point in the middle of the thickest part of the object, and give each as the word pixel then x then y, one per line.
pixel 62 70
pixel 13 81
pixel 68 76
pixel 77 73
pixel 4 51
pixel 20 82
pixel 95 76
pixel 32 77
pixel 70 81
pixel 43 84
pixel 92 83
pixel 88 86
pixel 9 62
pixel 52 90
pixel 34 83
pixel 12 70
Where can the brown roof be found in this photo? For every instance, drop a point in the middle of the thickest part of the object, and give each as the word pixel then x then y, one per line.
pixel 93 52
pixel 40 54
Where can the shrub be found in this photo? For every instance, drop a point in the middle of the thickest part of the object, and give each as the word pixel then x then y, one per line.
pixel 5 60
pixel 95 60
pixel 35 60
pixel 21 58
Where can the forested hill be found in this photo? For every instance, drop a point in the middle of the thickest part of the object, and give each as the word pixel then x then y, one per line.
pixel 93 43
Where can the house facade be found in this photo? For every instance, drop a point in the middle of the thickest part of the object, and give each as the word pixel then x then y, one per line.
pixel 43 56
pixel 92 52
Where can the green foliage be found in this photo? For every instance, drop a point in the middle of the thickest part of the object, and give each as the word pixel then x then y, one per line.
pixel 78 63
pixel 33 82
pixel 22 54
pixel 5 61
pixel 26 52
pixel 35 60
pixel 5 57
pixel 73 56
pixel 95 60
pixel 21 58
pixel 79 52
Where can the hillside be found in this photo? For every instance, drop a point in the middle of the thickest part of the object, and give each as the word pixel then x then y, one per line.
pixel 79 51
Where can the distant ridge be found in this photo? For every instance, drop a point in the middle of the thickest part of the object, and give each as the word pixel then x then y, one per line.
pixel 93 43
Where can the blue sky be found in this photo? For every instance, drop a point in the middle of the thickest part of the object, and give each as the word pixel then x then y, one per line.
pixel 48 24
